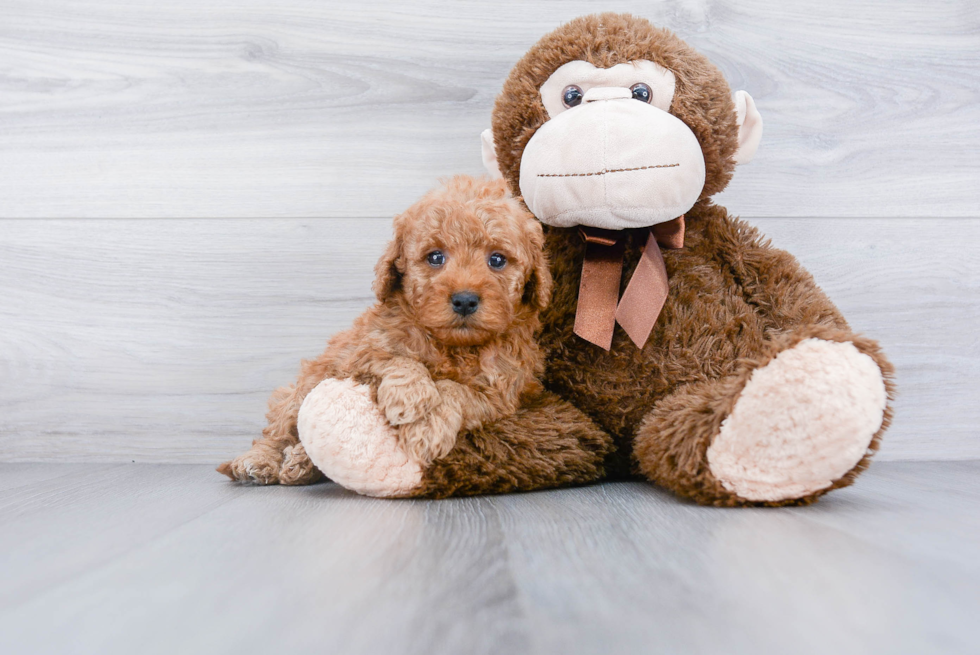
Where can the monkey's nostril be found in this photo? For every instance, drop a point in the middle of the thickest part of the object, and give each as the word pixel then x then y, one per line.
pixel 465 302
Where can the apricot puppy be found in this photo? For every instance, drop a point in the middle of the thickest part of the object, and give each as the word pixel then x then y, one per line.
pixel 450 344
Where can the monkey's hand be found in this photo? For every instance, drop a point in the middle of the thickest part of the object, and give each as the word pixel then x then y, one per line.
pixel 406 393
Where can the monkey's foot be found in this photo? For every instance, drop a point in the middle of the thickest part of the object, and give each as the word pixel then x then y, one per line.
pixel 349 439
pixel 802 422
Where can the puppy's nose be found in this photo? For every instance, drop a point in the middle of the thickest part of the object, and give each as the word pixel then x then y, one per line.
pixel 465 302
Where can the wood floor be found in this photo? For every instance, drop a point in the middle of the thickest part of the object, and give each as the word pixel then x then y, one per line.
pixel 140 558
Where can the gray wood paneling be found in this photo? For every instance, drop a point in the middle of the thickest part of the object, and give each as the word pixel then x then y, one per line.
pixel 167 334
pixel 160 340
pixel 197 108
pixel 175 559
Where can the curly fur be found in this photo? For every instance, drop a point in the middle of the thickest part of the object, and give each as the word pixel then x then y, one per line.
pixel 431 371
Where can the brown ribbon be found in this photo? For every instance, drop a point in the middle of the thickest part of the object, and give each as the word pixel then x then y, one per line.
pixel 644 297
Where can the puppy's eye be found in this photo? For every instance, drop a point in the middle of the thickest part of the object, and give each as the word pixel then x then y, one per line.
pixel 571 96
pixel 497 261
pixel 641 92
pixel 436 258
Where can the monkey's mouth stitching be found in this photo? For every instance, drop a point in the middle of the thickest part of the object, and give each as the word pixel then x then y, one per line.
pixel 606 170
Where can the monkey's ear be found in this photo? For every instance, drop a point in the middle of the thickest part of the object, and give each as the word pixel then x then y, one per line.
pixel 387 277
pixel 490 154
pixel 749 127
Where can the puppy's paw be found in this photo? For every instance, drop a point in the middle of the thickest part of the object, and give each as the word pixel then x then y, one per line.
pixel 257 466
pixel 433 436
pixel 297 469
pixel 407 395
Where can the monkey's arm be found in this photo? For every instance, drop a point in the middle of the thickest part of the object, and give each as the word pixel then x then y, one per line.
pixel 546 443
pixel 784 293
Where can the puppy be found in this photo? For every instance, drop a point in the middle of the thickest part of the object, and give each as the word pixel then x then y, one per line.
pixel 450 344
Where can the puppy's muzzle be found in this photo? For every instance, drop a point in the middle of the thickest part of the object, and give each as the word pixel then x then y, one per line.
pixel 465 303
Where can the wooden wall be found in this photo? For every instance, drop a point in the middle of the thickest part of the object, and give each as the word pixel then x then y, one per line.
pixel 192 194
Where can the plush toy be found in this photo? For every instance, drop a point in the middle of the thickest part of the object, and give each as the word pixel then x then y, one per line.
pixel 679 345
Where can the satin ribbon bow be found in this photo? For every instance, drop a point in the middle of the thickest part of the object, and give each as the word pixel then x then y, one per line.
pixel 637 311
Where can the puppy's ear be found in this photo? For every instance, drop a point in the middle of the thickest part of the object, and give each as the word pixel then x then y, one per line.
pixel 537 288
pixel 387 274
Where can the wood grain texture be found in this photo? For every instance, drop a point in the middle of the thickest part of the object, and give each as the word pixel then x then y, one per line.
pixel 292 109
pixel 160 340
pixel 174 559
pixel 104 511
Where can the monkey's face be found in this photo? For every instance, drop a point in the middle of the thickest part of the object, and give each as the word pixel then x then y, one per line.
pixel 611 154
pixel 611 122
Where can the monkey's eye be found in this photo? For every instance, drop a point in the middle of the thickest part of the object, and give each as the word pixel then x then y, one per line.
pixel 641 92
pixel 571 96
pixel 497 261
pixel 436 258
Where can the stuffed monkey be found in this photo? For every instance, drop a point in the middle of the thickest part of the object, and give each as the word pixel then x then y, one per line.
pixel 681 347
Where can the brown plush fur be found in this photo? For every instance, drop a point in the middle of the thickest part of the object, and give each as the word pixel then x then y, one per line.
pixel 547 443
pixel 735 302
pixel 433 372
